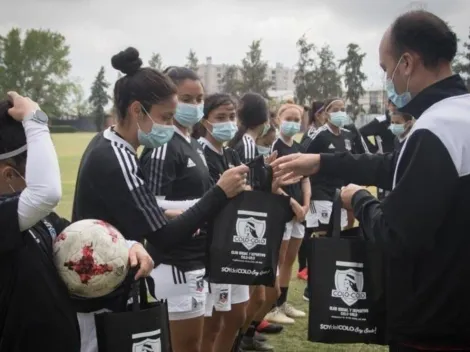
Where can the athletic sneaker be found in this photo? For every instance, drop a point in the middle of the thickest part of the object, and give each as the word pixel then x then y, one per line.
pixel 291 312
pixel 252 344
pixel 306 295
pixel 266 328
pixel 303 274
pixel 277 316
pixel 260 337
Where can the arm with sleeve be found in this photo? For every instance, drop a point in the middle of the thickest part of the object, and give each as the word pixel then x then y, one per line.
pixel 418 205
pixel 43 188
pixel 159 168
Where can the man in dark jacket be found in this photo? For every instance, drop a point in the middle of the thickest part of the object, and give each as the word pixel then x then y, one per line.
pixel 424 223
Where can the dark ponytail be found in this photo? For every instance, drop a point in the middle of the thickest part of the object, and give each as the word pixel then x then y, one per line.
pixel 317 107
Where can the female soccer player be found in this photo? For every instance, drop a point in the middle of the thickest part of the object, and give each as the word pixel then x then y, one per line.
pixel 290 116
pixel 264 144
pixel 316 119
pixel 111 185
pixel 400 126
pixel 35 309
pixel 178 171
pixel 253 119
pixel 226 304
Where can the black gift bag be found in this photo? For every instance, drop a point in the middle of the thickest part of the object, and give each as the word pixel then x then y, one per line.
pixel 245 237
pixel 141 327
pixel 346 279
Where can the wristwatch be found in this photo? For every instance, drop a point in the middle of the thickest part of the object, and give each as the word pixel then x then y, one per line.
pixel 39 116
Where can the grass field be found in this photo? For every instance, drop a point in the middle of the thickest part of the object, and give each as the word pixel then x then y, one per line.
pixel 294 338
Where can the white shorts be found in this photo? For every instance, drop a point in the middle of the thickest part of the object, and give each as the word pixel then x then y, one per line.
pixel 86 321
pixel 222 297
pixel 320 212
pixel 185 291
pixel 293 229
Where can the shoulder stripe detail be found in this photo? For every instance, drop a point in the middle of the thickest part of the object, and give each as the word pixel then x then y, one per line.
pixel 157 160
pixel 249 148
pixel 136 185
pixel 314 135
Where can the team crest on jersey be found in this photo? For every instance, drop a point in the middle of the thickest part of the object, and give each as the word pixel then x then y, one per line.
pixel 250 231
pixel 347 144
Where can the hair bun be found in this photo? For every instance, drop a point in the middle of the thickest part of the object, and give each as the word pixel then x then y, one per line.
pixel 127 61
pixel 290 101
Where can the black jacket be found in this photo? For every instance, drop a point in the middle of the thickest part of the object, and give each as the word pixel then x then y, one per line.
pixel 424 224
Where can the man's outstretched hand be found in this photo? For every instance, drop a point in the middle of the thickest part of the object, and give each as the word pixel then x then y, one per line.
pixel 296 165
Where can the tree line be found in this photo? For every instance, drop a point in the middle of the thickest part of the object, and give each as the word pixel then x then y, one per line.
pixel 37 63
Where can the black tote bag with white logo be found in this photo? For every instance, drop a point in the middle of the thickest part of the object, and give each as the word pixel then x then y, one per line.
pixel 142 327
pixel 246 235
pixel 346 279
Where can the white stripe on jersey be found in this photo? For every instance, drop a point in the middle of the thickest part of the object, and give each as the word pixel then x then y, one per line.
pixel 249 148
pixel 157 160
pixel 142 197
pixel 314 135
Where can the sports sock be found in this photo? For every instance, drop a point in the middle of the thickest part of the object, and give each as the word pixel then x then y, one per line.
pixel 283 297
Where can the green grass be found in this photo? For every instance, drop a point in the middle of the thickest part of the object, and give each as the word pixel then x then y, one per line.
pixel 70 148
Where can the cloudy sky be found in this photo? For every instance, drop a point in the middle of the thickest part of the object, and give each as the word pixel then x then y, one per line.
pixel 223 29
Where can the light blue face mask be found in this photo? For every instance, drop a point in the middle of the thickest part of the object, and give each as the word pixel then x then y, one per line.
pixel 397 129
pixel 157 136
pixel 263 150
pixel 187 115
pixel 290 128
pixel 339 118
pixel 400 100
pixel 224 131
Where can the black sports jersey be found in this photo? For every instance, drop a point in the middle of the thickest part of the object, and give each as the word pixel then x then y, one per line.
pixel 36 313
pixel 178 171
pixel 308 135
pixel 110 187
pixel 247 151
pixel 325 141
pixel 217 162
pixel 295 190
pixel 379 129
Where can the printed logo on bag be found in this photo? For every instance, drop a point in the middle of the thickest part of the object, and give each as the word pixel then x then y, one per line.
pixel 347 144
pixel 349 282
pixel 147 341
pixel 251 227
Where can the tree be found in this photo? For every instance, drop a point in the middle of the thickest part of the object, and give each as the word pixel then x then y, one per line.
pixel 230 81
pixel 304 75
pixel 254 71
pixel 156 62
pixel 99 99
pixel 461 63
pixel 77 104
pixel 327 80
pixel 36 65
pixel 353 78
pixel 193 62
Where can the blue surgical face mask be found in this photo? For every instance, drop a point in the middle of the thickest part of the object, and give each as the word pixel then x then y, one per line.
pixel 397 129
pixel 290 128
pixel 339 118
pixel 263 150
pixel 158 135
pixel 187 115
pixel 223 131
pixel 400 100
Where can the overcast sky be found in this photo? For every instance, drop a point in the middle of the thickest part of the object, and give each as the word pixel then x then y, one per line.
pixel 223 29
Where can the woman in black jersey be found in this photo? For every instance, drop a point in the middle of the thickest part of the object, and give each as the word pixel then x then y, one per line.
pixel 226 304
pixel 400 126
pixel 35 310
pixel 111 186
pixel 178 174
pixel 316 119
pixel 253 120
pixel 264 144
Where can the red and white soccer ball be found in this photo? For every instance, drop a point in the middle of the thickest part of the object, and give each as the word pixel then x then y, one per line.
pixel 92 258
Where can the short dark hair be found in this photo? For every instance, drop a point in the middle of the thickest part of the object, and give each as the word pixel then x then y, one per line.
pixel 12 135
pixel 425 34
pixel 179 74
pixel 145 85
pixel 211 103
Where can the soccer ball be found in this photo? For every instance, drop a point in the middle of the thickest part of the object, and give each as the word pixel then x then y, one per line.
pixel 92 258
